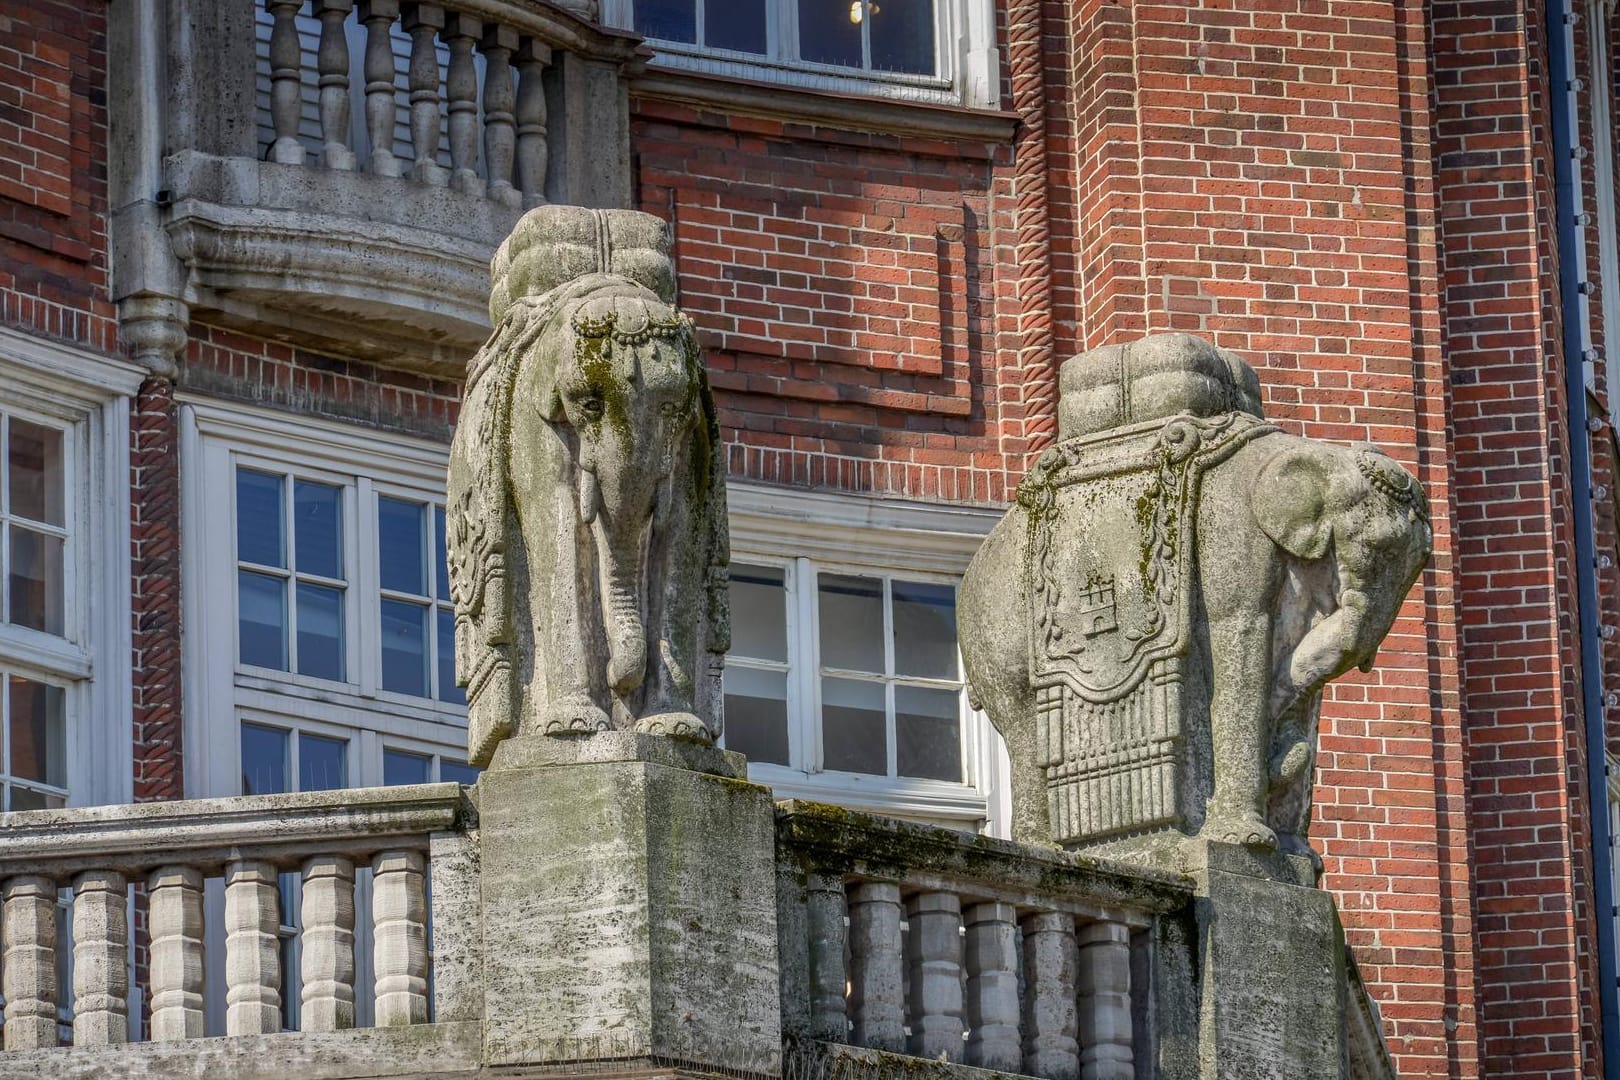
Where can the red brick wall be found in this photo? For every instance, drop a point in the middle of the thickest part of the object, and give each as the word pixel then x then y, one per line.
pixel 1515 580
pixel 840 283
pixel 53 172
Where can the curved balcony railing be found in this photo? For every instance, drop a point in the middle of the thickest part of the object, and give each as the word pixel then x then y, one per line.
pixel 342 170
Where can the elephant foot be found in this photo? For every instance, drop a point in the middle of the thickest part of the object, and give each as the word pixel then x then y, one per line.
pixel 573 716
pixel 1290 764
pixel 1239 827
pixel 676 725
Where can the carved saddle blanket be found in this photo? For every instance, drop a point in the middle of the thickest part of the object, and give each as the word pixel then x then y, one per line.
pixel 1111 588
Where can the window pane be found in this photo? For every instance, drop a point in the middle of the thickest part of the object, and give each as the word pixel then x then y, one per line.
pixel 264 760
pixel 262 623
pixel 318 528
pixel 735 24
pixel 36 580
pixel 322 763
pixel 759 612
pixel 926 733
pixel 28 799
pixel 448 690
pixel 404 648
pixel 852 736
pixel 320 630
pixel 925 630
pixel 399 543
pixel 441 565
pixel 34 458
pixel 258 519
pixel 670 20
pixel 902 35
pixel 402 768
pixel 851 611
pixel 756 714
pixel 459 771
pixel 830 33
pixel 38 732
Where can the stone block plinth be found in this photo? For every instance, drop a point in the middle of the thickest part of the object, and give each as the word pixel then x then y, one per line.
pixel 1272 967
pixel 629 905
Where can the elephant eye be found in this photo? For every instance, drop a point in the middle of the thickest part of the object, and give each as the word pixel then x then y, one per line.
pixel 591 408
pixel 671 409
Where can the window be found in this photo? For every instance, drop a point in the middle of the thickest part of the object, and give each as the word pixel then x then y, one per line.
pixel 407 767
pixel 924 50
pixel 321 593
pixel 64 575
pixel 844 682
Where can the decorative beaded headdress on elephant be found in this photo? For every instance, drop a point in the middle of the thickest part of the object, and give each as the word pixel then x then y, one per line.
pixel 568 279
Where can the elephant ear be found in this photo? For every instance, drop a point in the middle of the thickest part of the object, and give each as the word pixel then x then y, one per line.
pixel 1289 502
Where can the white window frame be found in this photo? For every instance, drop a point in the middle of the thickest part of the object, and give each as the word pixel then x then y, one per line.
pixel 219 692
pixel 88 395
pixel 967 59
pixel 810 532
pixel 1599 16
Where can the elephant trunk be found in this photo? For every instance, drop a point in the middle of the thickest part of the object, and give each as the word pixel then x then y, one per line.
pixel 627 637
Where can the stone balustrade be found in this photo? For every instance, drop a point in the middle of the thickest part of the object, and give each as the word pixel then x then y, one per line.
pixel 922 941
pixel 506 116
pixel 167 852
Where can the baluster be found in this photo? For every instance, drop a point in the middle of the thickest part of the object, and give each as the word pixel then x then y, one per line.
pixel 175 913
pixel 459 33
pixel 1051 1048
pixel 252 949
pixel 934 957
pixel 828 979
pixel 1105 1002
pixel 992 987
pixel 332 61
pixel 100 959
pixel 284 79
pixel 399 915
pixel 327 943
pixel 378 17
pixel 499 140
pixel 30 963
pixel 875 1003
pixel 533 151
pixel 423 22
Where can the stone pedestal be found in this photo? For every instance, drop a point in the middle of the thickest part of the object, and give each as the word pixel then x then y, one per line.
pixel 629 905
pixel 1271 968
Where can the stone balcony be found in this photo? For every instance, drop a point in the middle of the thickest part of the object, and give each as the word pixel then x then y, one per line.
pixel 899 949
pixel 337 173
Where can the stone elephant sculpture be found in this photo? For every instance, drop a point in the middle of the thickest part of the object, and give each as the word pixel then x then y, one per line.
pixel 587 465
pixel 1301 555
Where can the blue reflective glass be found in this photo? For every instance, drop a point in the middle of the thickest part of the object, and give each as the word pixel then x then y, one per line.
pixel 402 560
pixel 264 760
pixel 404 648
pixel 320 631
pixel 318 528
pixel 459 771
pixel 259 537
pixel 402 768
pixel 448 690
pixel 671 20
pixel 441 565
pixel 322 763
pixel 261 602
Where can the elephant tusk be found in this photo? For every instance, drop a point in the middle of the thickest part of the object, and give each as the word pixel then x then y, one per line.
pixel 589 495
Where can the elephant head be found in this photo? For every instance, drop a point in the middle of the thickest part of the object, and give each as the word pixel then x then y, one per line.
pixel 622 374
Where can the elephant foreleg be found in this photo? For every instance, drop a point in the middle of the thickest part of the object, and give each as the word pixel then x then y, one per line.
pixel 678 600
pixel 1240 728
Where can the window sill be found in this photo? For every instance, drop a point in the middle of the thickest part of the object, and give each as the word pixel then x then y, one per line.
pixel 934 801
pixel 843 110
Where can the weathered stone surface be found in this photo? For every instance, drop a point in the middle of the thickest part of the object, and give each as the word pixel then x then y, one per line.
pixel 630 911
pixel 586 510
pixel 1151 626
pixel 1272 977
